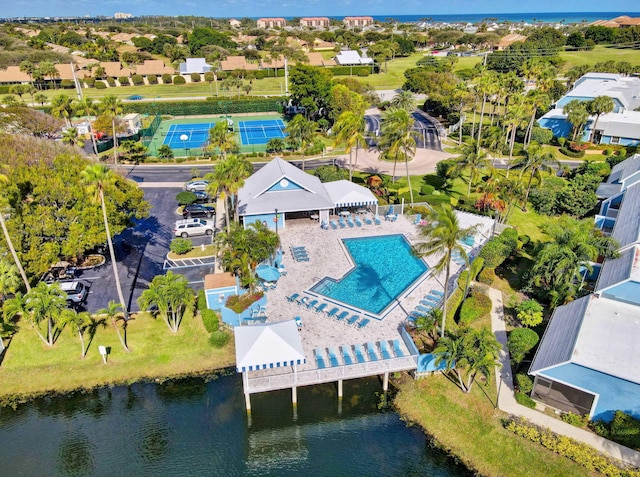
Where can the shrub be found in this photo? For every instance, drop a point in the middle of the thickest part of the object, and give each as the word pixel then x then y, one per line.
pixel 202 300
pixel 124 81
pixel 195 77
pixel 524 383
pixel 239 303
pixel 524 400
pixel 166 78
pixel 541 135
pixel 186 198
pixel 152 79
pixel 562 141
pixel 111 82
pixel 260 74
pixel 181 245
pixel 569 153
pixel 67 84
pixel 179 80
pixel 499 248
pixel 90 82
pixel 137 80
pixel 487 276
pixel 575 419
pixel 520 342
pixel 530 313
pixel 100 85
pixel 427 189
pixel 623 429
pixel 219 338
pixel 210 320
pixel 474 308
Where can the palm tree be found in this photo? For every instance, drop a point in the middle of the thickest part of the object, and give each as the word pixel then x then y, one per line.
pixel 487 85
pixel 536 161
pixel 43 303
pixel 9 278
pixel 536 99
pixel 112 107
pixel 88 108
pixel 226 180
pixel 598 106
pixel 7 237
pixel 98 178
pixel 473 159
pixel 70 136
pixel 61 107
pixel 399 135
pixel 404 100
pixel 430 323
pixel 449 351
pixel 220 137
pixel 349 131
pixel 301 132
pixel 113 314
pixel 517 117
pixel 442 236
pixel 171 294
pixel 78 323
pixel 577 114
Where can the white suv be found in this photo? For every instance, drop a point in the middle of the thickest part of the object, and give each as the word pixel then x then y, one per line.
pixel 190 227
pixel 76 291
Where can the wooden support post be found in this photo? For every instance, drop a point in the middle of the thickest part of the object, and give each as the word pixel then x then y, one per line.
pixel 247 400
pixel 385 382
pixel 340 388
pixel 294 396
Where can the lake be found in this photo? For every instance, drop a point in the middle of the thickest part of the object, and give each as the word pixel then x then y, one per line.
pixel 194 427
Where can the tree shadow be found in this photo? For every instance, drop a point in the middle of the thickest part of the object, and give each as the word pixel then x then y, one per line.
pixel 92 328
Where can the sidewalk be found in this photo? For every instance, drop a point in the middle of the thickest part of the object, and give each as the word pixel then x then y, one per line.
pixel 508 404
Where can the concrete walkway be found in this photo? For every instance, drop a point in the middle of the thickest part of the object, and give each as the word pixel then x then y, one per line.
pixel 508 404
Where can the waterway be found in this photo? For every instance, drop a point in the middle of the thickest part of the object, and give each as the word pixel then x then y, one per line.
pixel 195 427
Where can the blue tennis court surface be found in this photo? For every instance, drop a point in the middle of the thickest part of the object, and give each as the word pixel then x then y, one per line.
pixel 188 135
pixel 259 132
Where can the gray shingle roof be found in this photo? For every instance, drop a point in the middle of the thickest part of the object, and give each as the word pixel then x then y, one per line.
pixel 616 270
pixel 624 169
pixel 627 227
pixel 560 336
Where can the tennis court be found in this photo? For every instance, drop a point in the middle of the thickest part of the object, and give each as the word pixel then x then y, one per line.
pixel 181 136
pixel 259 132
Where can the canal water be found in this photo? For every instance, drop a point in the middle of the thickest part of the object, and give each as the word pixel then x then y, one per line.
pixel 195 427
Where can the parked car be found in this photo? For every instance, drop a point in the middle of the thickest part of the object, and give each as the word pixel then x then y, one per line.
pixel 198 210
pixel 192 227
pixel 59 271
pixel 193 186
pixel 76 291
pixel 201 196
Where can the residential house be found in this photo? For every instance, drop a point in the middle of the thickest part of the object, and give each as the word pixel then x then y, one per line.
pixel 271 23
pixel 114 69
pixel 13 75
pixel 194 65
pixel 234 23
pixel 625 21
pixel 509 40
pixel 588 361
pixel 316 59
pixel 351 57
pixel 153 67
pixel 622 126
pixel 357 22
pixel 314 22
pixel 237 63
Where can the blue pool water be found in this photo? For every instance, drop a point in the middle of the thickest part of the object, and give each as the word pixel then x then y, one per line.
pixel 384 268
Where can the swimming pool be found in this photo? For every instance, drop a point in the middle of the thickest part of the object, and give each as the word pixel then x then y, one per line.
pixel 384 268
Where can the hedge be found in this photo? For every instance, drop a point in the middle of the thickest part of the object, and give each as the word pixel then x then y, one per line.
pixel 137 80
pixel 219 338
pixel 524 400
pixel 152 79
pixel 100 85
pixel 499 248
pixel 195 77
pixel 524 383
pixel 124 81
pixel 90 81
pixel 5 89
pixel 210 320
pixel 191 108
pixel 520 342
pixel 179 80
pixel 578 452
pixel 474 308
pixel 574 154
pixel 111 82
pixel 166 78
pixel 67 84
pixel 202 300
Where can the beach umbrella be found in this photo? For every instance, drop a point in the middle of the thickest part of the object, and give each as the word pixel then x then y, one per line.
pixel 267 273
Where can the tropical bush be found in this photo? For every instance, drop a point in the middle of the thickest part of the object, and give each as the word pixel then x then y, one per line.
pixel 487 276
pixel 210 320
pixel 124 81
pixel 181 246
pixel 623 429
pixel 575 419
pixel 137 80
pixel 111 81
pixel 100 85
pixel 152 79
pixel 167 78
pixel 524 383
pixel 541 135
pixel 525 400
pixel 473 308
pixel 90 81
pixel 186 197
pixel 520 342
pixel 529 313
pixel 179 80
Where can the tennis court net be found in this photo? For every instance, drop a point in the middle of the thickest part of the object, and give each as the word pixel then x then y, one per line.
pixel 260 128
pixel 185 131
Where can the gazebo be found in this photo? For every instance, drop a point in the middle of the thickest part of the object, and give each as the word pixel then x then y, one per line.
pixel 347 194
pixel 267 346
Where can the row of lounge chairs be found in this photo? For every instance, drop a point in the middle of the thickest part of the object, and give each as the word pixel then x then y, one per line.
pixel 458 259
pixel 299 253
pixel 343 222
pixel 357 354
pixel 258 314
pixel 334 312
pixel 431 300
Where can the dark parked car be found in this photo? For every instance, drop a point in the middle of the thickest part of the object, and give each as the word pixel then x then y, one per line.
pixel 201 196
pixel 198 210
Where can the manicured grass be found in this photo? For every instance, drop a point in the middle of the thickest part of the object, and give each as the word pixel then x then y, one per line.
pixel 30 367
pixel 599 54
pixel 196 252
pixel 468 426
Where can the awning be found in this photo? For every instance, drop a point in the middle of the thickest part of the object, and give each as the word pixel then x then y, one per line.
pixel 347 194
pixel 271 345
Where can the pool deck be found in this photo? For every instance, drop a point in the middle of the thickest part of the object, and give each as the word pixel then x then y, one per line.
pixel 328 257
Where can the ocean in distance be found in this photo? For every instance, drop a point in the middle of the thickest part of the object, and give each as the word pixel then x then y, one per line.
pixel 555 17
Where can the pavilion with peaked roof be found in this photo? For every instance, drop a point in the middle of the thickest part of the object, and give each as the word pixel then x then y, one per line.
pixel 280 191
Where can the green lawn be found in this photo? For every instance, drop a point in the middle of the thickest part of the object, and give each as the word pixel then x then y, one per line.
pixel 29 367
pixel 599 54
pixel 468 426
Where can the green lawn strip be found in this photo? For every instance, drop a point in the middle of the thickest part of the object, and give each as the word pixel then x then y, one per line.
pixel 32 368
pixel 196 252
pixel 468 426
pixel 600 54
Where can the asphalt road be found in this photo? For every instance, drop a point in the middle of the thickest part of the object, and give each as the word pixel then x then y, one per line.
pixel 427 133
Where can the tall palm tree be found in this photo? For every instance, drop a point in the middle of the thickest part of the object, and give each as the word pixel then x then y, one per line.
pixel 536 99
pixel 98 178
pixel 78 323
pixel 7 237
pixel 517 117
pixel 113 312
pixel 88 108
pixel 226 180
pixel 404 100
pixel 61 107
pixel 473 159
pixel 171 294
pixel 598 106
pixel 577 115
pixel 71 137
pixel 487 85
pixel 442 236
pixel 112 107
pixel 535 161
pixel 397 128
pixel 44 303
pixel 349 131
pixel 220 137
pixel 301 132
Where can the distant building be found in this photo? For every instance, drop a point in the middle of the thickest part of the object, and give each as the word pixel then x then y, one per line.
pixel 314 22
pixel 234 23
pixel 231 63
pixel 194 65
pixel 359 22
pixel 271 23
pixel 509 39
pixel 350 57
pixel 120 15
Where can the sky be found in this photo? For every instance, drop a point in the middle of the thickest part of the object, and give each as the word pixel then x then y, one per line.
pixel 291 8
